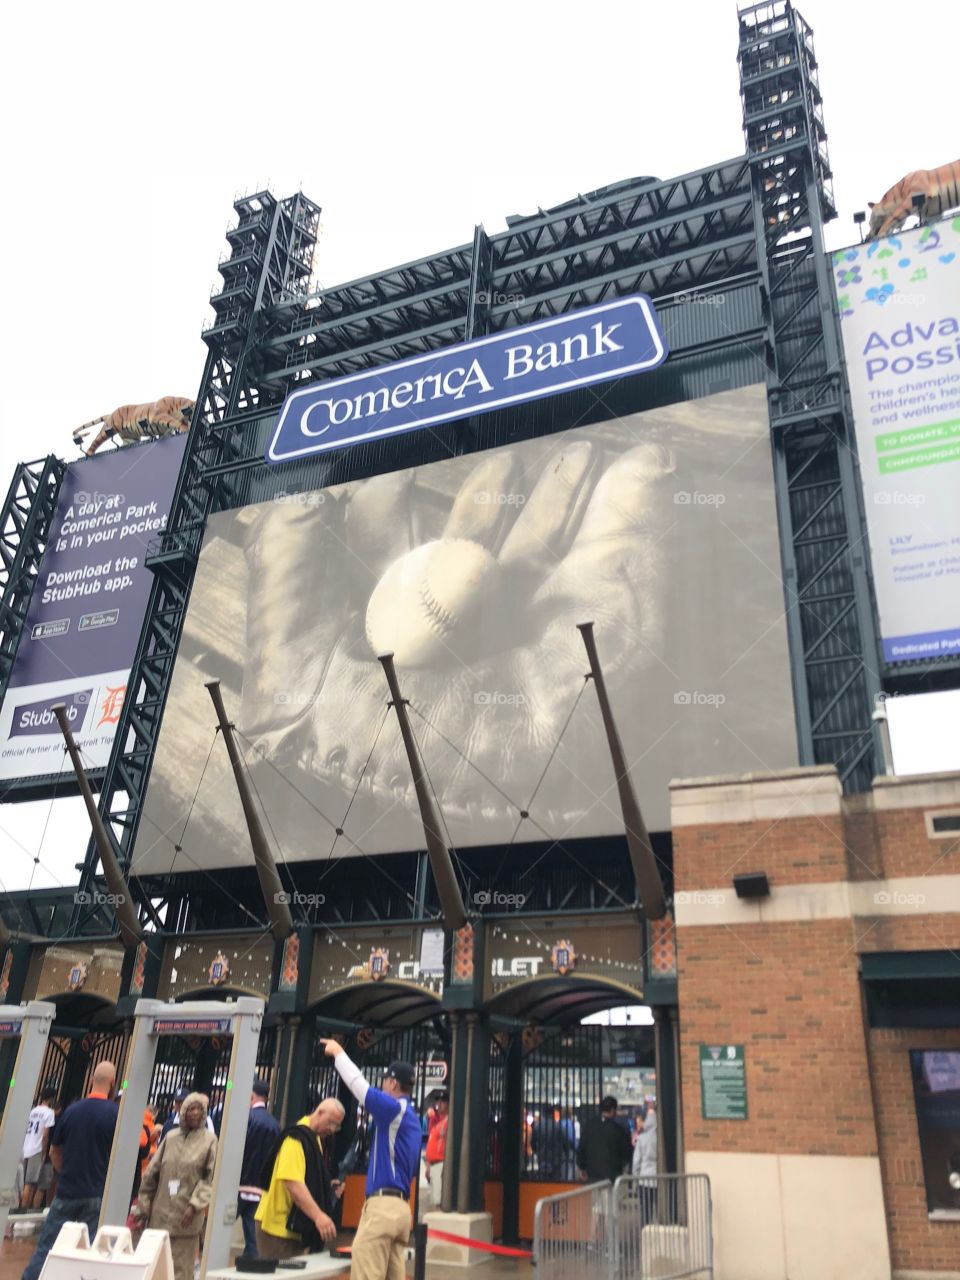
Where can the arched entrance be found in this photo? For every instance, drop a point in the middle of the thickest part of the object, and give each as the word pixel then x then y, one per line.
pixel 86 1031
pixel 201 1062
pixel 553 1057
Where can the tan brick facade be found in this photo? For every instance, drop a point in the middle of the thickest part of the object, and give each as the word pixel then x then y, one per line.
pixel 830 1103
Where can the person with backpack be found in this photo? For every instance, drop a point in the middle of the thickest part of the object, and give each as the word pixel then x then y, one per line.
pixel 294 1215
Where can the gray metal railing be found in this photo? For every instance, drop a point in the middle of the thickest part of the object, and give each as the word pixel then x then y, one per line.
pixel 571 1233
pixel 662 1227
pixel 649 1228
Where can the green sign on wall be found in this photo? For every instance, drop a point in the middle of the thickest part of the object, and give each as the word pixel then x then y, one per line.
pixel 723 1082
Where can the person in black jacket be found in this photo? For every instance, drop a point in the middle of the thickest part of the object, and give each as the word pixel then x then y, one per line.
pixel 294 1214
pixel 262 1134
pixel 605 1152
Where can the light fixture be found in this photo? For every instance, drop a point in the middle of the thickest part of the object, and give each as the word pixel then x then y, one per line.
pixel 752 884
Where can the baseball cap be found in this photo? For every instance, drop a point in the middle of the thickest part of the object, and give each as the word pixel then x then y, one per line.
pixel 402 1072
pixel 181 1095
pixel 260 1088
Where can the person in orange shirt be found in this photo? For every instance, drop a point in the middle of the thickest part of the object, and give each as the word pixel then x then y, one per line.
pixel 437 1119
pixel 149 1140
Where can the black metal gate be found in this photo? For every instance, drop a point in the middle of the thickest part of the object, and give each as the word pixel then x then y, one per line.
pixel 200 1064
pixel 70 1061
pixel 565 1075
pixel 423 1045
pixel 496 1096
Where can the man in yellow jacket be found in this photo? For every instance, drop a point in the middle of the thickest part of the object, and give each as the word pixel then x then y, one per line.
pixel 295 1212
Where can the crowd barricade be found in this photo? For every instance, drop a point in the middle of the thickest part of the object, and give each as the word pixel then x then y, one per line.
pixel 647 1228
pixel 571 1233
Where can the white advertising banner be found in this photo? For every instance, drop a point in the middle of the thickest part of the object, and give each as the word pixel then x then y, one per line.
pixel 899 302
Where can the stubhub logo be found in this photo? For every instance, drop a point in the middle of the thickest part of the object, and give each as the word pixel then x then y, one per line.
pixel 38 717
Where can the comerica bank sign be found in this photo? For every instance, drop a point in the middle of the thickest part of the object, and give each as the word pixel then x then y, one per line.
pixel 544 359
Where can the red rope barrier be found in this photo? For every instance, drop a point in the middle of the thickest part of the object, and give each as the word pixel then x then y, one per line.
pixel 501 1249
pixel 447 1237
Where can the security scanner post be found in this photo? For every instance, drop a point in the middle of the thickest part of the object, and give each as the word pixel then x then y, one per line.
pixel 240 1019
pixel 30 1024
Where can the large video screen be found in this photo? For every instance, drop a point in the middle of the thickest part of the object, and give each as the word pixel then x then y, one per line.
pixel 660 528
pixel 899 302
pixel 86 611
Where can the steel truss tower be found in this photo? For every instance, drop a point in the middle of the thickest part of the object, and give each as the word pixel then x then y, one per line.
pixel 836 657
pixel 747 232
pixel 24 523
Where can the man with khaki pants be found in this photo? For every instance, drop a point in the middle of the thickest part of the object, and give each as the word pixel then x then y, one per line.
pixel 379 1247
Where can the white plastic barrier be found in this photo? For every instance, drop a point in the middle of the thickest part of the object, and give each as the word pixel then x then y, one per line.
pixel 110 1257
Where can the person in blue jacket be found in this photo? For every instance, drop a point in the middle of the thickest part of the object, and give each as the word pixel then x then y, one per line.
pixel 379 1247
pixel 262 1134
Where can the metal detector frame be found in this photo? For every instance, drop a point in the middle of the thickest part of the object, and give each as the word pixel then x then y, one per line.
pixel 30 1023
pixel 241 1019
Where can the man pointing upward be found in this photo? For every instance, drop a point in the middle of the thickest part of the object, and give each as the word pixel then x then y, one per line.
pixel 380 1242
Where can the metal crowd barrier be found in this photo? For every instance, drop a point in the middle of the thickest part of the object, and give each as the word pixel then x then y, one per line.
pixel 662 1227
pixel 649 1228
pixel 571 1233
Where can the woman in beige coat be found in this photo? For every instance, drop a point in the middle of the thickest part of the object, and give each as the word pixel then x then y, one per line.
pixel 178 1184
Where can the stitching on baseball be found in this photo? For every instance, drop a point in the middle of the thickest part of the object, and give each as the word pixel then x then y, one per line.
pixel 437 615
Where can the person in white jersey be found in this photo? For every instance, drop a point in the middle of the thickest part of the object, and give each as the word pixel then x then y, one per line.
pixel 36 1144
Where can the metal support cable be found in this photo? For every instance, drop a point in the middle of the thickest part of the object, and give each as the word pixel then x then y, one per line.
pixel 366 764
pixel 306 799
pixel 180 848
pixel 43 834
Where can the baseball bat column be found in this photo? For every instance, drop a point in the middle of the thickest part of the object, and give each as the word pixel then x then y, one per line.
pixel 642 858
pixel 274 897
pixel 464 1153
pixel 448 890
pixel 123 907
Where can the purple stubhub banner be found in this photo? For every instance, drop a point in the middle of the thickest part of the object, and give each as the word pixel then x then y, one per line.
pixel 38 717
pixel 81 631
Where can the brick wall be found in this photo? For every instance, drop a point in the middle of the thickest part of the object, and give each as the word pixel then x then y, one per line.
pixel 782 977
pixel 788 992
pixel 796 850
pixel 916 1243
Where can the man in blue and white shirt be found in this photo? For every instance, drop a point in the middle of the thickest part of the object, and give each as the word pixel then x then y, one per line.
pixel 380 1243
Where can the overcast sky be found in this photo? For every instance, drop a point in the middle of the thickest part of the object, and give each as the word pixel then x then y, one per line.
pixel 129 131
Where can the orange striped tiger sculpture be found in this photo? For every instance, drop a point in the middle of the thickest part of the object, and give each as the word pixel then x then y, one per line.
pixel 130 422
pixel 940 187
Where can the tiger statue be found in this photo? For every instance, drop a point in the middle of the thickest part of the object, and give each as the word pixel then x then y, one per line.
pixel 131 422
pixel 940 187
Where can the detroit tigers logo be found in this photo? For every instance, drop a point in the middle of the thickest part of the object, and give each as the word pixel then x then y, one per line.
pixel 112 705
pixel 563 957
pixel 379 963
pixel 219 970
